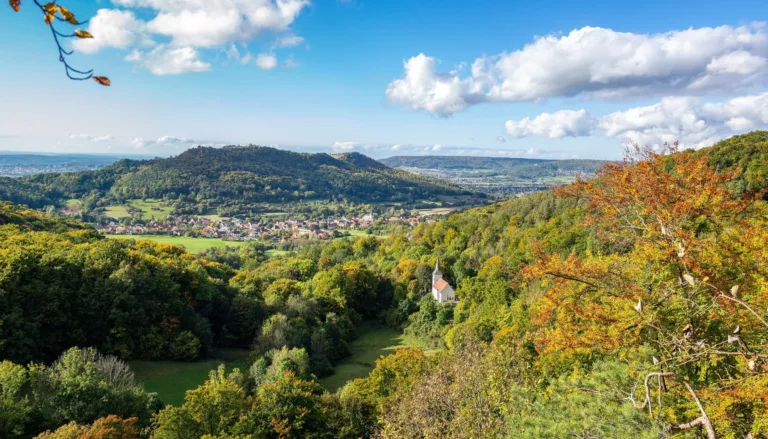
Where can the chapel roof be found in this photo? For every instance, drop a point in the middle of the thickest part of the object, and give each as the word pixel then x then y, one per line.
pixel 440 285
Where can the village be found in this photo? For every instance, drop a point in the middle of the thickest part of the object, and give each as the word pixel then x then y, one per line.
pixel 235 229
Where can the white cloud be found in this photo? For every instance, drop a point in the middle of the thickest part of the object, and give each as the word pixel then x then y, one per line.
pixel 437 147
pixel 139 142
pixel 564 123
pixel 214 22
pixel 112 28
pixel 266 61
pixel 501 139
pixel 422 88
pixel 186 26
pixel 172 140
pixel 163 60
pixel 288 41
pixel 597 63
pixel 91 138
pixel 691 121
pixel 346 146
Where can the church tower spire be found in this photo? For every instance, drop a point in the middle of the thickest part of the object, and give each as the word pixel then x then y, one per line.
pixel 437 274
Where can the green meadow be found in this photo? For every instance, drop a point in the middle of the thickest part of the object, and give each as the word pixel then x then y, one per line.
pixel 171 379
pixel 373 341
pixel 149 209
pixel 193 245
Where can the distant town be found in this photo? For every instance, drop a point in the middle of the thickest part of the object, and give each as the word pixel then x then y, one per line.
pixel 234 229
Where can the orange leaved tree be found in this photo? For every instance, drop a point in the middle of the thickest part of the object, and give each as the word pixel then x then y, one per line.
pixel 680 292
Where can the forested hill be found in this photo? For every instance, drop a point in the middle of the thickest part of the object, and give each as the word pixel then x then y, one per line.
pixel 629 306
pixel 521 167
pixel 233 176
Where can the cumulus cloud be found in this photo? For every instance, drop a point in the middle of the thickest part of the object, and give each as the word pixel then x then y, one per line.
pixel 266 61
pixel 215 22
pixel 185 26
pixel 163 60
pixel 690 120
pixel 113 28
pixel 91 138
pixel 564 123
pixel 596 63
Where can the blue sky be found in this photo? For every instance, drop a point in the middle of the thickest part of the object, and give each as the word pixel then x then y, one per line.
pixel 339 82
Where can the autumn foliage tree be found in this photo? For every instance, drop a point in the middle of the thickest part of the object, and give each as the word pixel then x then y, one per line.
pixel 53 13
pixel 682 292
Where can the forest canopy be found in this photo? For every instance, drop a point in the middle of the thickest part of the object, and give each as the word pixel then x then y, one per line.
pixel 632 305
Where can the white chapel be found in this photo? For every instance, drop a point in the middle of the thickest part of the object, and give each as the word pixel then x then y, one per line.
pixel 442 291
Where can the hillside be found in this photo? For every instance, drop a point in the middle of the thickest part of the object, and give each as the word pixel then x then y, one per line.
pixel 497 175
pixel 234 178
pixel 629 306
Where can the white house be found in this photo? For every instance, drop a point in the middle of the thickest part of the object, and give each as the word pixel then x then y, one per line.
pixel 442 291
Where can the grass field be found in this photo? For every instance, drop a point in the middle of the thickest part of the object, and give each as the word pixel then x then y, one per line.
pixel 436 211
pixel 149 209
pixel 372 342
pixel 276 253
pixel 357 233
pixel 171 379
pixel 193 245
pixel 117 212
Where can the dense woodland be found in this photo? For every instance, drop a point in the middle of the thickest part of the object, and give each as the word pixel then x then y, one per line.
pixel 230 180
pixel 633 305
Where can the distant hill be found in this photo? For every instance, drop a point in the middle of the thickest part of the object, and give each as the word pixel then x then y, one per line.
pixel 503 176
pixel 234 177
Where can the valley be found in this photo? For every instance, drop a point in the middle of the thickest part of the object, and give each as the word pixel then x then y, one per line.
pixel 346 331
pixel 499 177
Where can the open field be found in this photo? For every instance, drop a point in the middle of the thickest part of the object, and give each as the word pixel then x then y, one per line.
pixel 373 341
pixel 117 212
pixel 437 211
pixel 276 253
pixel 357 233
pixel 171 379
pixel 193 245
pixel 149 208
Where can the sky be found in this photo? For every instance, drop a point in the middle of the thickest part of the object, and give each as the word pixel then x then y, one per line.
pixel 551 79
